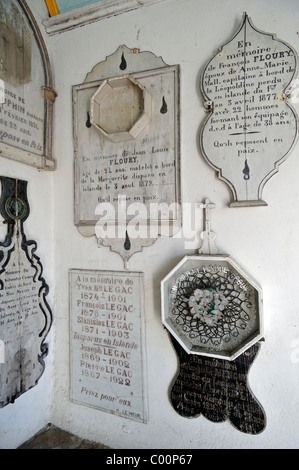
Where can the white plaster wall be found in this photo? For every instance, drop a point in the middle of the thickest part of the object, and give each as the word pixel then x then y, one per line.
pixel 263 240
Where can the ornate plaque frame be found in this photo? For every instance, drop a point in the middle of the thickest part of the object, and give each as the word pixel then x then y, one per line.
pixel 212 306
pixel 26 89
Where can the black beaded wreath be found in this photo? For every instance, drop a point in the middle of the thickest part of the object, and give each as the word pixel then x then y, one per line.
pixel 209 303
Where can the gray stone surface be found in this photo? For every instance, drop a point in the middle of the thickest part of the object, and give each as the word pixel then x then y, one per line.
pixel 52 437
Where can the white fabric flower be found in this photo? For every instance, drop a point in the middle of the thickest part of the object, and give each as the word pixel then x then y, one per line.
pixel 207 305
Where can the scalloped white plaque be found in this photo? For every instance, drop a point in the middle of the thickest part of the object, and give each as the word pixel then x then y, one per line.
pixel 251 128
pixel 127 189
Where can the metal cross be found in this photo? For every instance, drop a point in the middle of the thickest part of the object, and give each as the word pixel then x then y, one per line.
pixel 208 246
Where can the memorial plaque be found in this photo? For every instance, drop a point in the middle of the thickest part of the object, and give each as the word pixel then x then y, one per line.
pixel 26 94
pixel 213 310
pixel 126 128
pixel 25 316
pixel 217 389
pixel 212 306
pixel 251 127
pixel 107 342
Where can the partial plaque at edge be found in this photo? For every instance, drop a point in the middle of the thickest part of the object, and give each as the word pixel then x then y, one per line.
pixel 25 316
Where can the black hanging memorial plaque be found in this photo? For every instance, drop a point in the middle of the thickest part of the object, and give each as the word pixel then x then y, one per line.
pixel 25 316
pixel 218 390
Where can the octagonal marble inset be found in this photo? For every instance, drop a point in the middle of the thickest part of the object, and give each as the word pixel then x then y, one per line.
pixel 120 108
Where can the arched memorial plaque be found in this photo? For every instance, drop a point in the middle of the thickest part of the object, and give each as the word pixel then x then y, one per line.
pixel 26 94
pixel 25 316
pixel 251 127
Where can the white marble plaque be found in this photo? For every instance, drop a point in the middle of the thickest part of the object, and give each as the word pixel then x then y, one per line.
pixel 107 342
pixel 143 169
pixel 139 165
pixel 21 322
pixel 251 127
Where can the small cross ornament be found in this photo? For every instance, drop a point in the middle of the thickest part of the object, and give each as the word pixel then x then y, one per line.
pixel 208 246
